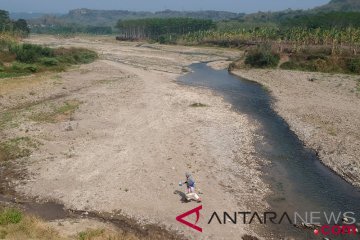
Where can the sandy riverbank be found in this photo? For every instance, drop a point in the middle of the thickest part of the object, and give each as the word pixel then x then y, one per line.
pixel 133 135
pixel 322 109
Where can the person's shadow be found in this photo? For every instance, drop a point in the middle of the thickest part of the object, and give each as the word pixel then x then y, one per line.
pixel 182 195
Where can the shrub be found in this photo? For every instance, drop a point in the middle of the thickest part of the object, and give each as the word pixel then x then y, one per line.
pixel 29 58
pixel 290 65
pixel 75 55
pixel 11 74
pixel 47 61
pixel 40 50
pixel 16 148
pixel 6 56
pixel 30 53
pixel 328 64
pixel 85 56
pixel 10 216
pixel 22 67
pixel 262 59
pixel 354 65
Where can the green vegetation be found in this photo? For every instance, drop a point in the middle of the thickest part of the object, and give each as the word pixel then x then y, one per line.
pixel 341 5
pixel 325 41
pixel 18 27
pixel 103 21
pixel 73 28
pixel 262 58
pixel 14 224
pixel 325 20
pixel 353 65
pixel 198 105
pixel 16 148
pixel 10 216
pixel 29 53
pixel 70 56
pixel 24 59
pixel 298 38
pixel 6 118
pixel 323 61
pixel 12 74
pixel 159 29
pixel 91 233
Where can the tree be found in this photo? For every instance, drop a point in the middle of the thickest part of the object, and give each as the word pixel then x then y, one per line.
pixel 4 21
pixel 21 26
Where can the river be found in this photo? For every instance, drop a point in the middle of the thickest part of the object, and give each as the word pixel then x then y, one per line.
pixel 299 181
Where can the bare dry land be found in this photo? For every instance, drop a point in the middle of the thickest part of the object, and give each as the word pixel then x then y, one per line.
pixel 117 135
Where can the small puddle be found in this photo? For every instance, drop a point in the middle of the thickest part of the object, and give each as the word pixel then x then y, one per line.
pixel 299 181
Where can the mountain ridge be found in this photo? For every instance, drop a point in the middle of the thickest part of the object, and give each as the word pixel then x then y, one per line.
pixel 340 5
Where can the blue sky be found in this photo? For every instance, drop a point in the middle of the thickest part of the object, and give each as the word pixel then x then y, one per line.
pixel 61 6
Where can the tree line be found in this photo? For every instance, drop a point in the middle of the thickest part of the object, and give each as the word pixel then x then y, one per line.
pixel 324 20
pixel 157 28
pixel 15 27
pixel 71 29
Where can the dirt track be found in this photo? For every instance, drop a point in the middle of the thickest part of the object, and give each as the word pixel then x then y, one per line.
pixel 134 135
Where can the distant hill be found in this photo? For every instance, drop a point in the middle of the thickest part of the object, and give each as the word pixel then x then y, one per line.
pixel 85 16
pixel 26 15
pixel 109 18
pixel 340 5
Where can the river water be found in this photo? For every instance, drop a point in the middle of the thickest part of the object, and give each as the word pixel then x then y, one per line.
pixel 298 180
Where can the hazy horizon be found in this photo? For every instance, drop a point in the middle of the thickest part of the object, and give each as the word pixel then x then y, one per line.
pixel 42 6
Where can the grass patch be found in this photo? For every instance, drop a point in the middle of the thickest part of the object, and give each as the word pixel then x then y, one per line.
pixel 90 234
pixel 58 114
pixel 16 148
pixel 12 74
pixel 16 225
pixel 102 234
pixel 30 53
pixel 74 55
pixel 198 105
pixel 6 118
pixel 10 216
pixel 25 59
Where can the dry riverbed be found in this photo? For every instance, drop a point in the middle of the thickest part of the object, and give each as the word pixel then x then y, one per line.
pixel 117 135
pixel 322 109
